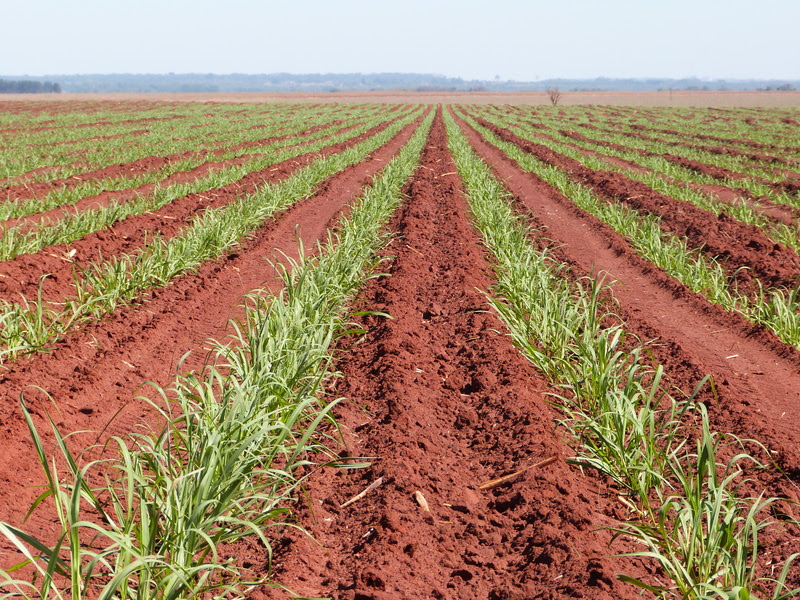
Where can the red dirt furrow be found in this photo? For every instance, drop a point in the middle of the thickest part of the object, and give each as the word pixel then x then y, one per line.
pixel 713 138
pixel 25 177
pixel 94 138
pixel 733 243
pixel 21 192
pixel 780 213
pixel 265 141
pixel 788 187
pixel 777 212
pixel 50 217
pixel 23 274
pixel 11 132
pixel 719 150
pixel 100 123
pixel 444 402
pixel 96 372
pixel 103 198
pixel 755 374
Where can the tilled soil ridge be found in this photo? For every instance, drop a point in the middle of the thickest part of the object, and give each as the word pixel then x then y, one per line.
pixel 733 243
pixel 447 403
pixel 22 275
pixel 778 212
pixel 96 371
pixel 755 374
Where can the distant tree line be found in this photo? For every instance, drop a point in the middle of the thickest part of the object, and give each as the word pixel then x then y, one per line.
pixel 29 87
pixel 340 82
pixel 786 87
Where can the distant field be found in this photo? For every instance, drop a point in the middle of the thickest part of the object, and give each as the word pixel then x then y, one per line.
pixel 676 98
pixel 560 282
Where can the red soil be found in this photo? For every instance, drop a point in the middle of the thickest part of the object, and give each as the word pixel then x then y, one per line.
pixel 95 373
pixel 22 275
pixel 733 243
pixel 22 191
pixel 445 402
pixel 731 195
pixel 725 140
pixel 103 199
pixel 437 394
pixel 755 373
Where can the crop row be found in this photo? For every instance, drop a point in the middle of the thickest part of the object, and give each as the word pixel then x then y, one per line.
pixel 753 129
pixel 667 178
pixel 235 444
pixel 167 138
pixel 241 437
pixel 31 237
pixel 688 512
pixel 774 307
pixel 756 174
pixel 34 323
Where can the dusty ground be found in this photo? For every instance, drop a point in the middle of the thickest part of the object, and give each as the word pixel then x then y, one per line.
pixel 438 394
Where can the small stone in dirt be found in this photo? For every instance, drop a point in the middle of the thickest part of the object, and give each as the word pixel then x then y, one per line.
pixel 471 498
pixel 86 410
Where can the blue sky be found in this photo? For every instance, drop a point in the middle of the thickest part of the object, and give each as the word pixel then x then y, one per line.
pixel 510 38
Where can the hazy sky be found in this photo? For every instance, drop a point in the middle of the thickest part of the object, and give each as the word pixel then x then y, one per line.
pixel 510 38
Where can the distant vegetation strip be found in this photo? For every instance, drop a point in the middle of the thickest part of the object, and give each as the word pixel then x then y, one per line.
pixel 29 87
pixel 333 82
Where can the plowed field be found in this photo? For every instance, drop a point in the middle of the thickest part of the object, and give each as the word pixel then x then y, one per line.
pixel 134 233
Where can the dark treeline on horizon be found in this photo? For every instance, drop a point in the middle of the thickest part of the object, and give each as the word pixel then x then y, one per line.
pixel 342 82
pixel 29 87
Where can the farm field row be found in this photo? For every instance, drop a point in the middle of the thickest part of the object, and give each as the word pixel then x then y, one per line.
pixel 663 238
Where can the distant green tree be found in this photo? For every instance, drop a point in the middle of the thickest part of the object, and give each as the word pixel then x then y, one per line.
pixel 28 87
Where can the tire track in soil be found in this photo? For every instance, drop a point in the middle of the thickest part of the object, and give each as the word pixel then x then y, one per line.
pixel 733 243
pixel 97 371
pixel 22 274
pixel 755 373
pixel 448 403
